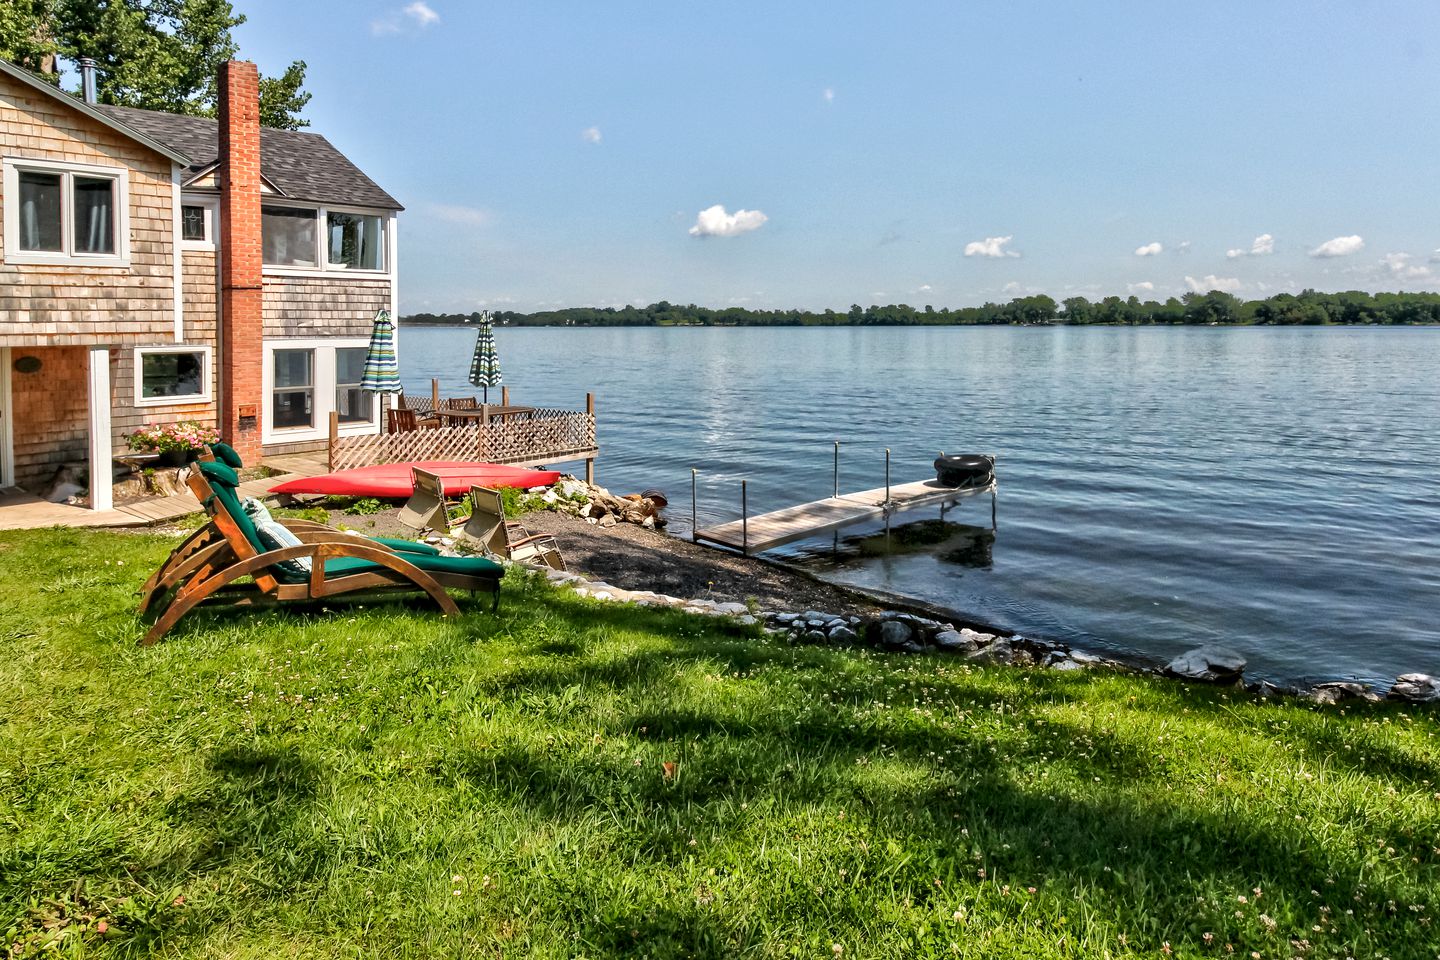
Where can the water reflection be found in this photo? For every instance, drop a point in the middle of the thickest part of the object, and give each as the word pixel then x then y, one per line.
pixel 960 544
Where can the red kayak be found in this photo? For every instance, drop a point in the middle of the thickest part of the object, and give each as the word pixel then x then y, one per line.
pixel 392 480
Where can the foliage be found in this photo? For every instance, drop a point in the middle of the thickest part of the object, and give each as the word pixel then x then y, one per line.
pixel 26 35
pixel 172 437
pixel 356 506
pixel 573 778
pixel 1215 307
pixel 155 54
pixel 313 514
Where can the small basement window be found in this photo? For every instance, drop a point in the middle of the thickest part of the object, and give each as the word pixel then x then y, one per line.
pixel 171 375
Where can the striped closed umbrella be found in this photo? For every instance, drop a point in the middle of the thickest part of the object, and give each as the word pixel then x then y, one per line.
pixel 485 365
pixel 382 369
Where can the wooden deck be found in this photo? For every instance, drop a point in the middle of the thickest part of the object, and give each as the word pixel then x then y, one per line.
pixel 23 511
pixel 779 527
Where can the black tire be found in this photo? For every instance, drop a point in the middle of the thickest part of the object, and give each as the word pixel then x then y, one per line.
pixel 965 469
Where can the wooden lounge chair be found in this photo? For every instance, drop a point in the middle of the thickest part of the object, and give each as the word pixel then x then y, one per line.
pixel 242 570
pixel 406 421
pixel 426 506
pixel 488 529
pixel 164 578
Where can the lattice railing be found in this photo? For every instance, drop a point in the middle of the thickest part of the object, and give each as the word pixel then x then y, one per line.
pixel 545 436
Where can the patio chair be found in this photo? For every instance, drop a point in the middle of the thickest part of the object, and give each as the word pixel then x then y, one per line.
pixel 488 529
pixel 407 421
pixel 424 417
pixel 243 569
pixel 426 506
pixel 208 535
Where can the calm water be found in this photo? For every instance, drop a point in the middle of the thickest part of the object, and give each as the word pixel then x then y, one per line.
pixel 1274 490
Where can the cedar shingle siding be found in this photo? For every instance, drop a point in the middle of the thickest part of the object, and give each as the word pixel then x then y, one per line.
pixel 53 312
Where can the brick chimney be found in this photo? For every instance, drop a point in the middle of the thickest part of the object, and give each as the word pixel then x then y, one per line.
pixel 241 326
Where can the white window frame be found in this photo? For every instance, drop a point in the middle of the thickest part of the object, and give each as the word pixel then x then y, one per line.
pixel 322 241
pixel 13 166
pixel 207 376
pixel 212 222
pixel 323 385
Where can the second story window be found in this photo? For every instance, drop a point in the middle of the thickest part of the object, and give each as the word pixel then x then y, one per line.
pixel 320 239
pixel 64 213
pixel 288 237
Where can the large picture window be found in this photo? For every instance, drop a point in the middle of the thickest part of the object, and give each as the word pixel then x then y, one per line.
pixel 310 380
pixel 321 239
pixel 293 395
pixel 171 375
pixel 287 236
pixel 65 213
pixel 357 241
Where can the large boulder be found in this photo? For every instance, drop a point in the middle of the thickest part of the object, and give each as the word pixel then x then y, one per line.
pixel 1208 665
pixel 1416 688
pixel 894 635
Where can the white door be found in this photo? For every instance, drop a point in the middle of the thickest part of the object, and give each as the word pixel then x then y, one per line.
pixel 7 435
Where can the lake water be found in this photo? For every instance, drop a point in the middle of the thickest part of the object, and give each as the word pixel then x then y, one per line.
pixel 1274 490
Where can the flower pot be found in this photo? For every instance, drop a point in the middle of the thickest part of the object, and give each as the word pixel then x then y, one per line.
pixel 175 458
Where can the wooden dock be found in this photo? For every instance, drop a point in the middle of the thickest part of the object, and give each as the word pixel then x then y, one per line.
pixel 779 527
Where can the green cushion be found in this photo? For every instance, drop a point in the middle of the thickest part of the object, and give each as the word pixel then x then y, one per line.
pixel 408 546
pixel 223 481
pixel 226 454
pixel 465 566
pixel 217 472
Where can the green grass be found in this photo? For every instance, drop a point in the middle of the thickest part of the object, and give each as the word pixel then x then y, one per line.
pixel 569 778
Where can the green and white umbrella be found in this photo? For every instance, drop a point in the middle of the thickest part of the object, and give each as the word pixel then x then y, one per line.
pixel 382 369
pixel 485 365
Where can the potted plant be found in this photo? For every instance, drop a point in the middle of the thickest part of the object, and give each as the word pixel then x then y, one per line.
pixel 177 443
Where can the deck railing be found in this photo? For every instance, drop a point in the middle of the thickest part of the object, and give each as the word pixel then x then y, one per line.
pixel 542 437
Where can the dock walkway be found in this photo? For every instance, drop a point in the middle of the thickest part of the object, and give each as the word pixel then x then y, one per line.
pixel 779 527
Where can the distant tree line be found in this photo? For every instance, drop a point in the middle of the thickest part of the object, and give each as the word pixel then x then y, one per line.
pixel 1213 308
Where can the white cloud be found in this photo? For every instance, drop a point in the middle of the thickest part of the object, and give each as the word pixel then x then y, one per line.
pixel 1435 257
pixel 1149 249
pixel 590 135
pixel 1339 247
pixel 1183 247
pixel 420 12
pixel 925 288
pixel 455 213
pixel 1211 282
pixel 1402 269
pixel 1144 286
pixel 715 222
pixel 990 247
pixel 829 94
pixel 1013 287
pixel 1262 245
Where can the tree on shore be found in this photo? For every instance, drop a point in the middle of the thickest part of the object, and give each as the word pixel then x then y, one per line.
pixel 1217 307
pixel 154 54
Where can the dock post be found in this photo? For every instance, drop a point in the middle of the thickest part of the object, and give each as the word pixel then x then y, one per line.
pixel 837 469
pixel 992 508
pixel 744 519
pixel 694 524
pixel 887 476
pixel 504 396
pixel 434 395
pixel 590 462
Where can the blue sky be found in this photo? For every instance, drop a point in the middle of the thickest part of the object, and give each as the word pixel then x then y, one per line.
pixel 816 155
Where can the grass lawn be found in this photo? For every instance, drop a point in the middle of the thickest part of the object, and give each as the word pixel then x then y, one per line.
pixel 569 778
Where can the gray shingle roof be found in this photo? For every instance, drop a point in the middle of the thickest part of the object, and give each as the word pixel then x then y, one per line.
pixel 302 166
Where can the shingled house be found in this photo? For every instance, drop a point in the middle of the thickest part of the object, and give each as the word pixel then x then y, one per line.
pixel 157 268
